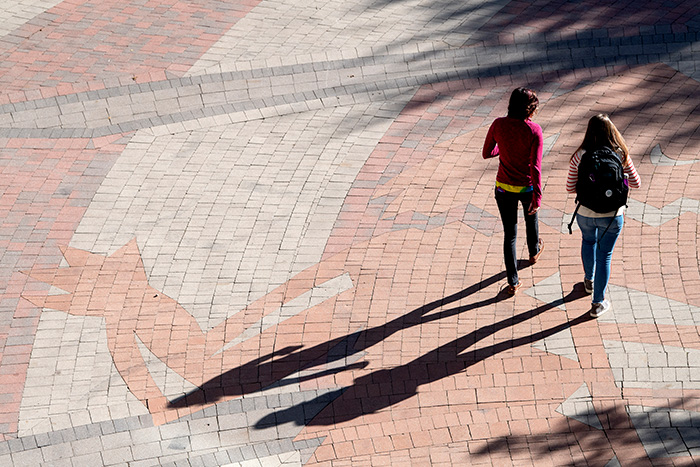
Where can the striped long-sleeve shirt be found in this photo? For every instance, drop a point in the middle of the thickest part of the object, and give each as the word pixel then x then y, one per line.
pixel 633 180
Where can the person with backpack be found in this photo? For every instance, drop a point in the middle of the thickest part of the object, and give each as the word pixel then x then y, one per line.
pixel 518 143
pixel 600 173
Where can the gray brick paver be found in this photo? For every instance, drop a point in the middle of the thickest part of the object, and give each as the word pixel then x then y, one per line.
pixel 146 451
pixel 29 457
pixel 94 458
pixel 118 456
pixel 116 440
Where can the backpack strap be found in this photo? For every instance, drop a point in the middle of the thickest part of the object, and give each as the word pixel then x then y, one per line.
pixel 573 216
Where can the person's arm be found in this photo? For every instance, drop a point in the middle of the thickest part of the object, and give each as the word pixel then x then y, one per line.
pixel 572 177
pixel 490 146
pixel 536 170
pixel 633 177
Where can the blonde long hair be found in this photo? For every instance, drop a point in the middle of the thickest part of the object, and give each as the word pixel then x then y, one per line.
pixel 602 131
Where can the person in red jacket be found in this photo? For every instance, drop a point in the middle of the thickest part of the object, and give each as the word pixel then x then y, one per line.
pixel 517 142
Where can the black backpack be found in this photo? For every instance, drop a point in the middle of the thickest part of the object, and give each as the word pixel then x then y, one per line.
pixel 602 185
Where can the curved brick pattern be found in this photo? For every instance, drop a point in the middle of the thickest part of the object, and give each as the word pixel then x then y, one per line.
pixel 287 32
pixel 16 14
pixel 75 43
pixel 273 89
pixel 242 233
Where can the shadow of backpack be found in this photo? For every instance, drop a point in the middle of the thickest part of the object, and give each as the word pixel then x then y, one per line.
pixel 602 184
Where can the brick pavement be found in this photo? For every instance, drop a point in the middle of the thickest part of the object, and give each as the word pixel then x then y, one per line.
pixel 261 233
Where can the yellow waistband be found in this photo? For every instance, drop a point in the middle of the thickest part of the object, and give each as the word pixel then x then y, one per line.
pixel 513 188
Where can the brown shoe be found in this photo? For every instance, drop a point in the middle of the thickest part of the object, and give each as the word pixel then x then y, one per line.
pixel 513 289
pixel 540 249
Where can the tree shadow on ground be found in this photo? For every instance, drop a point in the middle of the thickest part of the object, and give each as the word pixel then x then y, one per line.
pixel 662 436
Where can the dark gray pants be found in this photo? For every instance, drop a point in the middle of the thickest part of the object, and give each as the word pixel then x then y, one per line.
pixel 508 207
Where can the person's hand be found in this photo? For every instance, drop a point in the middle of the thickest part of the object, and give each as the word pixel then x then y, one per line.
pixel 533 210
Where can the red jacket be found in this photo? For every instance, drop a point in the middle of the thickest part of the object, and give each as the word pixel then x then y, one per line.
pixel 518 143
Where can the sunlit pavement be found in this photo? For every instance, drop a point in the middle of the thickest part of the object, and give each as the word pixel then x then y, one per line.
pixel 262 233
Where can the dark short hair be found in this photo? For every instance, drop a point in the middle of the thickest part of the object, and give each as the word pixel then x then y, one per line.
pixel 523 103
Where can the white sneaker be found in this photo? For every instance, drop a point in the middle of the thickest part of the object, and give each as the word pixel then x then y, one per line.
pixel 588 286
pixel 599 309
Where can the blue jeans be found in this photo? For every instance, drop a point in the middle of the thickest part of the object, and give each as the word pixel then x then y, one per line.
pixel 599 235
pixel 508 207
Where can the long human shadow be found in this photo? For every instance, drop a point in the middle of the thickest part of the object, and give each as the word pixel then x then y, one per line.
pixel 402 382
pixel 274 367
